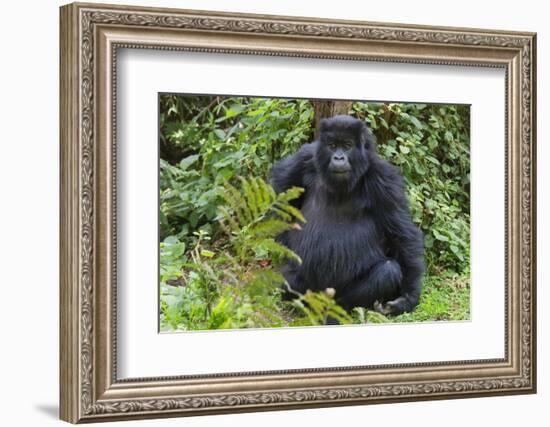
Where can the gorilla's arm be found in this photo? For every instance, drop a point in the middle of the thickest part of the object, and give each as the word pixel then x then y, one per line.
pixel 297 170
pixel 404 239
pixel 406 242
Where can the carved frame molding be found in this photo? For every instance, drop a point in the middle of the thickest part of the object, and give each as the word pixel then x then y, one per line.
pixel 90 36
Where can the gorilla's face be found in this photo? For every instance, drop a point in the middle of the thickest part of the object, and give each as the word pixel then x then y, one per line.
pixel 340 150
pixel 342 154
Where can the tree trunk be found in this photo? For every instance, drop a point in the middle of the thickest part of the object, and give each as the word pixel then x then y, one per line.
pixel 324 109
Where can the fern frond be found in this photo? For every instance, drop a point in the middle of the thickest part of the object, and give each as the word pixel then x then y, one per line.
pixel 227 217
pixel 281 213
pixel 238 204
pixel 291 210
pixel 290 194
pixel 375 317
pixel 266 318
pixel 262 203
pixel 267 278
pixel 277 249
pixel 339 313
pixel 232 207
pixel 250 195
pixel 255 215
pixel 319 306
pixel 269 228
pixel 268 194
pixel 310 314
pixel 256 200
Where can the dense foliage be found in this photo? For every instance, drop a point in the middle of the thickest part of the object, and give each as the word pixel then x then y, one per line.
pixel 206 141
pixel 431 145
pixel 218 276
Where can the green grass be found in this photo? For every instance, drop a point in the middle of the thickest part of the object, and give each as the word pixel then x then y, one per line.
pixel 445 296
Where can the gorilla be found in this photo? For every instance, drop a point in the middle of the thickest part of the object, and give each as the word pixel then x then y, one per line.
pixel 359 238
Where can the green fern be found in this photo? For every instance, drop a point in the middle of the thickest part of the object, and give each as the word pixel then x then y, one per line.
pixel 361 315
pixel 246 291
pixel 254 216
pixel 320 306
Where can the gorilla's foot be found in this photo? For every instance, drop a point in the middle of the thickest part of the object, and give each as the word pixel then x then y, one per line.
pixel 392 308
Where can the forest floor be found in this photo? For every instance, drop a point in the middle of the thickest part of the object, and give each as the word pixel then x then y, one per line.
pixel 445 296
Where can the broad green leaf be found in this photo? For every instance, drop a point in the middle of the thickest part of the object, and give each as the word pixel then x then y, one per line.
pixel 188 161
pixel 404 149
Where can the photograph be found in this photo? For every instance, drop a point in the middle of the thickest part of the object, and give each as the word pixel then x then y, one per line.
pixel 278 212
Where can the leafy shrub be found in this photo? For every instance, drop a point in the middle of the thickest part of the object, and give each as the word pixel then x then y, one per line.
pixel 236 285
pixel 430 143
pixel 206 141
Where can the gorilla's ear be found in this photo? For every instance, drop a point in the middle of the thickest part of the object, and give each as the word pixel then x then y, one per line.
pixel 368 138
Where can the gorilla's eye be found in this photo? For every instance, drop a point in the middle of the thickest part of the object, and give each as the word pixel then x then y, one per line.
pixel 345 145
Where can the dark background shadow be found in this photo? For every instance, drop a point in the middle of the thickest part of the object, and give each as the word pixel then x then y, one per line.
pixel 50 410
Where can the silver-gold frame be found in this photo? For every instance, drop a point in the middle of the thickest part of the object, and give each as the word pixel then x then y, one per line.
pixel 90 37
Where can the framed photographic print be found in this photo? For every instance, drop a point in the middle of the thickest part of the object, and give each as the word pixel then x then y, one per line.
pixel 266 212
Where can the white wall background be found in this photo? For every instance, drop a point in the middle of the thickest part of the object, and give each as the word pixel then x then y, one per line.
pixel 29 170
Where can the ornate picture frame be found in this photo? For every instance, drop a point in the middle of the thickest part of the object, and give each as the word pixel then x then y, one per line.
pixel 90 37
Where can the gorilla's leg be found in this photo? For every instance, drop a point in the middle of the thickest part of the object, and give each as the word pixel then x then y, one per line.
pixel 382 283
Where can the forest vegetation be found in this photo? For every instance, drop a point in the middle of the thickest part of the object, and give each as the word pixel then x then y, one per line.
pixel 219 217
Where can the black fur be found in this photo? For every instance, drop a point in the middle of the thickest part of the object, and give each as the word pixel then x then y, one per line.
pixel 359 237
